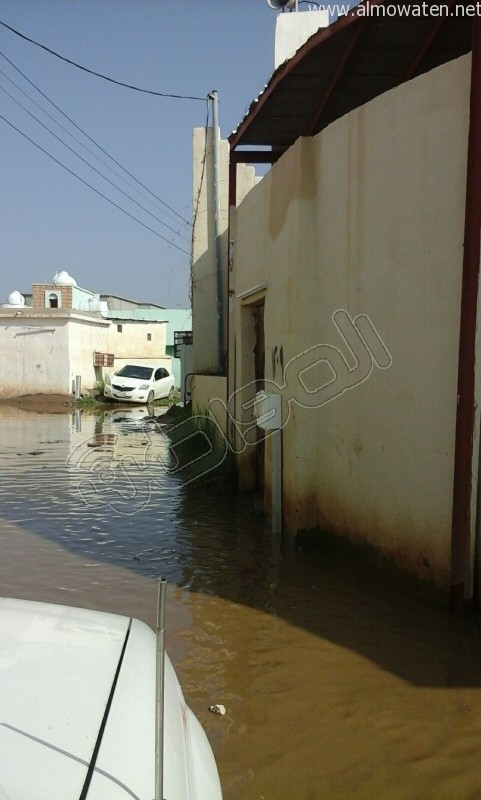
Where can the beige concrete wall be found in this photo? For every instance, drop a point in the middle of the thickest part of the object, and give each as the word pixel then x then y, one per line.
pixel 368 217
pixel 131 342
pixel 204 278
pixel 131 345
pixel 204 274
pixel 206 388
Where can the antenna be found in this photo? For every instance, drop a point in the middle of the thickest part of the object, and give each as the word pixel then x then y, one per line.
pixel 277 5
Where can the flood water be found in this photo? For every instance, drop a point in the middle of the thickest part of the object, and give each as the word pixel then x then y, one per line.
pixel 337 683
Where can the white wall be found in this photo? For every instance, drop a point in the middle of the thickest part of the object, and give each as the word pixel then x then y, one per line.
pixel 292 30
pixel 87 335
pixel 42 351
pixel 34 356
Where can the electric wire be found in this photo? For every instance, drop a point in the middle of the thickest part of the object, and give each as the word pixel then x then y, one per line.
pixel 108 199
pixel 197 201
pixel 162 202
pixel 59 139
pixel 98 74
pixel 204 160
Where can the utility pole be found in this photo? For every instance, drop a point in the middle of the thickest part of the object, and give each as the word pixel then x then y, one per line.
pixel 218 256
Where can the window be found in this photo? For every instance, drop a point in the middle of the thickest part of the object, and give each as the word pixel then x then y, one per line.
pixel 119 328
pixel 136 371
pixel 149 337
pixel 53 300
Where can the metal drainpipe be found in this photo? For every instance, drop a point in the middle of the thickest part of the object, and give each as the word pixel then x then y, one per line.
pixel 461 589
pixel 218 255
pixel 231 378
pixel 189 375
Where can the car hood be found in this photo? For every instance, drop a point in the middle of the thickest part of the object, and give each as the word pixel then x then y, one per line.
pixel 77 699
pixel 57 667
pixel 133 383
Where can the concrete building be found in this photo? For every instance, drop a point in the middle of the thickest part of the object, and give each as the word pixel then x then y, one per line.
pixel 176 319
pixel 69 333
pixel 351 290
pixel 209 354
pixel 43 351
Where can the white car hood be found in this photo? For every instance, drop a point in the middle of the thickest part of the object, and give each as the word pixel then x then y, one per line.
pixel 71 728
pixel 132 383
pixel 56 672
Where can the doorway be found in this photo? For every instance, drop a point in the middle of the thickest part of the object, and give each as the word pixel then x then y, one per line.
pixel 259 377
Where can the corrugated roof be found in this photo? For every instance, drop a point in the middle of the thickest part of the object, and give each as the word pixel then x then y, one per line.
pixel 355 59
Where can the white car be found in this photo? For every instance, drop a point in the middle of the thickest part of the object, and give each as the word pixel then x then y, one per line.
pixel 136 383
pixel 77 710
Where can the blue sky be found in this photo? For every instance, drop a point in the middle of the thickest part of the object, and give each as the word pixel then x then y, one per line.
pixel 49 220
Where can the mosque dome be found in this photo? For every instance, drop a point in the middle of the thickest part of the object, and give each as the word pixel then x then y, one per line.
pixel 62 278
pixel 16 299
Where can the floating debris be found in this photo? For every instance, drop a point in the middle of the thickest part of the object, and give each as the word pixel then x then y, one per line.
pixel 218 709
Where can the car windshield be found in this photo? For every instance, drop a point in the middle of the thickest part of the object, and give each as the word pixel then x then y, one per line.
pixel 134 371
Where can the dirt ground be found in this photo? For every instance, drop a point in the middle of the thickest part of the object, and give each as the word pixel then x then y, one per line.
pixel 60 403
pixel 41 403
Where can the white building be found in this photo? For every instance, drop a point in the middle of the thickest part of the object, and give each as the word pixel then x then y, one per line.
pixel 69 333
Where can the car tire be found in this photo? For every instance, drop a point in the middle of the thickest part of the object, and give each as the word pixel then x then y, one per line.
pixel 150 397
pixel 170 396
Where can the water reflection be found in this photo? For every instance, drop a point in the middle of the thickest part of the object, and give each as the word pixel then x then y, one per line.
pixel 337 684
pixel 99 488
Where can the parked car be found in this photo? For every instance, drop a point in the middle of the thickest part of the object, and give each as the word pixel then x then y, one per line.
pixel 77 710
pixel 137 383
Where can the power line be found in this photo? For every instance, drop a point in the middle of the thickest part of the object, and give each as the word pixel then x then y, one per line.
pixel 163 203
pixel 98 74
pixel 90 165
pixel 199 191
pixel 112 202
pixel 197 200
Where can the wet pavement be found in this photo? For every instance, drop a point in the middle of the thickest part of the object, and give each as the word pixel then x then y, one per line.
pixel 337 683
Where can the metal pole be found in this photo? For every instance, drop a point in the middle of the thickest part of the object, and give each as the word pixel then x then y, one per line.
pixel 461 552
pixel 159 693
pixel 218 258
pixel 276 482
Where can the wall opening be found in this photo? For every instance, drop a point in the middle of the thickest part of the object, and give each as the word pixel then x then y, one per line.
pixel 251 380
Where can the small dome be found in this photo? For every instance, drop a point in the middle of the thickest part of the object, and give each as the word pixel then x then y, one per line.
pixel 16 299
pixel 62 278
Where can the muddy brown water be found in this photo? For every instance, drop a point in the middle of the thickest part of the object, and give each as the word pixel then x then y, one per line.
pixel 337 683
